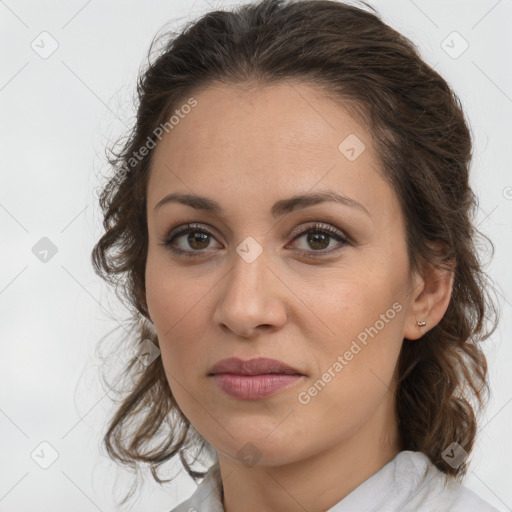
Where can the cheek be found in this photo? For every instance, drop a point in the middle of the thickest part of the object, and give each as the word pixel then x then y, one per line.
pixel 174 290
pixel 177 305
pixel 365 316
pixel 171 296
pixel 356 366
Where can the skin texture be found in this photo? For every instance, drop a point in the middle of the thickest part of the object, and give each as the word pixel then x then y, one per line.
pixel 246 149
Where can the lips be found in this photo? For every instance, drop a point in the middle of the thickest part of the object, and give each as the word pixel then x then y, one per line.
pixel 257 366
pixel 254 379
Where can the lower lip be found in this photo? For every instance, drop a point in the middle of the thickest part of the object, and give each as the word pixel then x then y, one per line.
pixel 254 387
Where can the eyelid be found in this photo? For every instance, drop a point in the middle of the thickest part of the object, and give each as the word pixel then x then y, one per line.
pixel 320 226
pixel 189 226
pixel 174 232
pixel 331 231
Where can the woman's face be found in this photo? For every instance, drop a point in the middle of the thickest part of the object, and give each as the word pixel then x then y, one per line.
pixel 334 306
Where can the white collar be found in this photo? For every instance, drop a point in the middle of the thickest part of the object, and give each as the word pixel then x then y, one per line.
pixel 408 483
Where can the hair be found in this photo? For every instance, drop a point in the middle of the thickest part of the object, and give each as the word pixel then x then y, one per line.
pixel 418 128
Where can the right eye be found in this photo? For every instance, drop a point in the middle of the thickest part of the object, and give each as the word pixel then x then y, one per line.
pixel 197 240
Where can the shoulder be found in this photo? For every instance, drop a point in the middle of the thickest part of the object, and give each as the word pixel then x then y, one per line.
pixel 455 497
pixel 463 499
pixel 206 498
pixel 441 493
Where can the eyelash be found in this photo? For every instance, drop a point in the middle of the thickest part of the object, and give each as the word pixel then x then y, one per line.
pixel 316 228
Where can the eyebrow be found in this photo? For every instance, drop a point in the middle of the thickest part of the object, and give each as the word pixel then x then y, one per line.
pixel 280 208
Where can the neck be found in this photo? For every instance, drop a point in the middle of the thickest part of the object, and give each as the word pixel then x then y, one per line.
pixel 315 483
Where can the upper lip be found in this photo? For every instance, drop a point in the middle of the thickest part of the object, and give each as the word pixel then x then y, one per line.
pixel 257 366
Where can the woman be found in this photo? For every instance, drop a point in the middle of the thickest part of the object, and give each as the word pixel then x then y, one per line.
pixel 291 220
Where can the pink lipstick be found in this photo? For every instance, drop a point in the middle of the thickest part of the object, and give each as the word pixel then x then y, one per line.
pixel 255 378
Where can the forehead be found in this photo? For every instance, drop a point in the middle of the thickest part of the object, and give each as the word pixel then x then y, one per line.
pixel 267 143
pixel 264 119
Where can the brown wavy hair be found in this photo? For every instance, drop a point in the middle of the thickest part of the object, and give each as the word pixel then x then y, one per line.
pixel 419 129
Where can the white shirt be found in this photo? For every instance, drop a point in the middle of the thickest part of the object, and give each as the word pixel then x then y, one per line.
pixel 408 483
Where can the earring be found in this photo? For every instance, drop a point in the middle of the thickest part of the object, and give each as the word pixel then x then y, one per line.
pixel 422 323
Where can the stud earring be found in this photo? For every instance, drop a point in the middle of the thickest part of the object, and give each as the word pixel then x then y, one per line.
pixel 422 323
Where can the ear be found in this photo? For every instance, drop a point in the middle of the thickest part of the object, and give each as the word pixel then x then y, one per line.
pixel 429 300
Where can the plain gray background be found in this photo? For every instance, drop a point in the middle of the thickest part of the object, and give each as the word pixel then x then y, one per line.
pixel 57 114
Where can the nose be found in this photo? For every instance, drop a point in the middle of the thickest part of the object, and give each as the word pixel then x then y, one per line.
pixel 251 298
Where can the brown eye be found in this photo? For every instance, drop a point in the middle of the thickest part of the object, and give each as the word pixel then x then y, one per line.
pixel 318 237
pixel 196 242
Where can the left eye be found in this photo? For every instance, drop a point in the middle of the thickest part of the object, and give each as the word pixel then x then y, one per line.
pixel 318 237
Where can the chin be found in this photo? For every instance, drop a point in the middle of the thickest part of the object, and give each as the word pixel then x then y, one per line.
pixel 261 451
